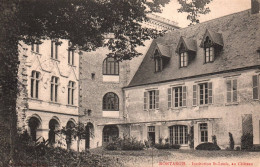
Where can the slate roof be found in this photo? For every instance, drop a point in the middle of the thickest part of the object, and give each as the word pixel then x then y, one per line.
pixel 164 50
pixel 241 39
pixel 214 36
pixel 189 44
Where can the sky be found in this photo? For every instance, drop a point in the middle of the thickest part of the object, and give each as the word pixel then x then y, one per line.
pixel 218 8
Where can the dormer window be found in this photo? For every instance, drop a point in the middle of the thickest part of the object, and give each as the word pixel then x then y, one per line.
pixel 158 61
pixel 212 43
pixel 208 50
pixel 186 50
pixel 161 56
pixel 183 56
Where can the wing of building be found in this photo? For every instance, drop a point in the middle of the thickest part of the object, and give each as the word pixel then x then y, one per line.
pixel 199 81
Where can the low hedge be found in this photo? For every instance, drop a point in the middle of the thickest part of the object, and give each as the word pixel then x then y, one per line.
pixel 207 146
pixel 125 144
pixel 167 146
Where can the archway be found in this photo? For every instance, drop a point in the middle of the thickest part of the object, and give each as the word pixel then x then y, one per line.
pixel 89 134
pixel 110 133
pixel 53 126
pixel 70 125
pixel 34 124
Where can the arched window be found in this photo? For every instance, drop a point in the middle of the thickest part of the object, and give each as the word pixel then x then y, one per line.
pixel 110 66
pixel 34 124
pixel 110 133
pixel 110 102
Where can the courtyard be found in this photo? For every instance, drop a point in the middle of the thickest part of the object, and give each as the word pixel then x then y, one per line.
pixel 196 158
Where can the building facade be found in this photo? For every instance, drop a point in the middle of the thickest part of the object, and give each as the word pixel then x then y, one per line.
pixel 48 76
pixel 198 82
pixel 101 96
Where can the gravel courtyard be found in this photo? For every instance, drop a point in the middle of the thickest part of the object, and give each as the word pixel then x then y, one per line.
pixel 194 158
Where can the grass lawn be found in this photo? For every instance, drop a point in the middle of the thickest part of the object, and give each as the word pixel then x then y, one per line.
pixel 160 158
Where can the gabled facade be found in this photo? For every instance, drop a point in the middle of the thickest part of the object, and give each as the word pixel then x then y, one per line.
pixel 209 87
pixel 49 74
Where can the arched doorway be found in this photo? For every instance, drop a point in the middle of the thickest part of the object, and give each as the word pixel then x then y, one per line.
pixel 110 133
pixel 89 134
pixel 53 126
pixel 69 129
pixel 34 124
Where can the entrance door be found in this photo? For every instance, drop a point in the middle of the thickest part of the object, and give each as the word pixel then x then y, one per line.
pixel 151 134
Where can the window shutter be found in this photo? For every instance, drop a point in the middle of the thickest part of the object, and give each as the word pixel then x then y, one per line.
pixel 255 87
pixel 234 90
pixel 145 100
pixel 156 99
pixel 184 95
pixel 228 91
pixel 194 103
pixel 169 97
pixel 210 93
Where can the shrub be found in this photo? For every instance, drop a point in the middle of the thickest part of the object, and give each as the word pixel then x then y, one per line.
pixel 207 146
pixel 111 146
pixel 175 146
pixel 247 141
pixel 191 137
pixel 214 139
pixel 231 141
pixel 166 146
pixel 238 148
pixel 125 144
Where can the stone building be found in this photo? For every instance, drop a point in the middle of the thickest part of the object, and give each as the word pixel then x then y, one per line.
pixel 101 96
pixel 197 82
pixel 48 76
pixel 193 83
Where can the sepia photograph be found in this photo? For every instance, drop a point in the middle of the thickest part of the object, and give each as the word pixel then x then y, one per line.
pixel 129 83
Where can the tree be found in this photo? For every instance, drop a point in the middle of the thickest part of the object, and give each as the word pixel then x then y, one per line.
pixel 83 22
pixel 194 8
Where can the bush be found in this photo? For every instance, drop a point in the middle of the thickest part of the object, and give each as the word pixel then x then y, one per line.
pixel 166 146
pixel 214 140
pixel 238 148
pixel 125 144
pixel 207 146
pixel 175 146
pixel 247 141
pixel 231 141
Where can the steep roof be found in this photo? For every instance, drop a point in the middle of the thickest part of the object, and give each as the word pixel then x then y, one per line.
pixel 241 39
pixel 164 50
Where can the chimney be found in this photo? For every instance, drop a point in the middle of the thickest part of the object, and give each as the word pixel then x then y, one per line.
pixel 255 6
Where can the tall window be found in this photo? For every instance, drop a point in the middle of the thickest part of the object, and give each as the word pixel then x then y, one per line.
pixel 71 90
pixel 158 64
pixel 231 90
pixel 35 79
pixel 178 134
pixel 203 127
pixel 183 56
pixel 177 92
pixel 110 66
pixel 209 50
pixel 54 50
pixel 205 93
pixel 158 61
pixel 71 54
pixel 151 99
pixel 184 59
pixel 151 134
pixel 54 88
pixel 111 102
pixel 35 47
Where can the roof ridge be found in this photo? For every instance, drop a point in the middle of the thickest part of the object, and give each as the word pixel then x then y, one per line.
pixel 214 19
